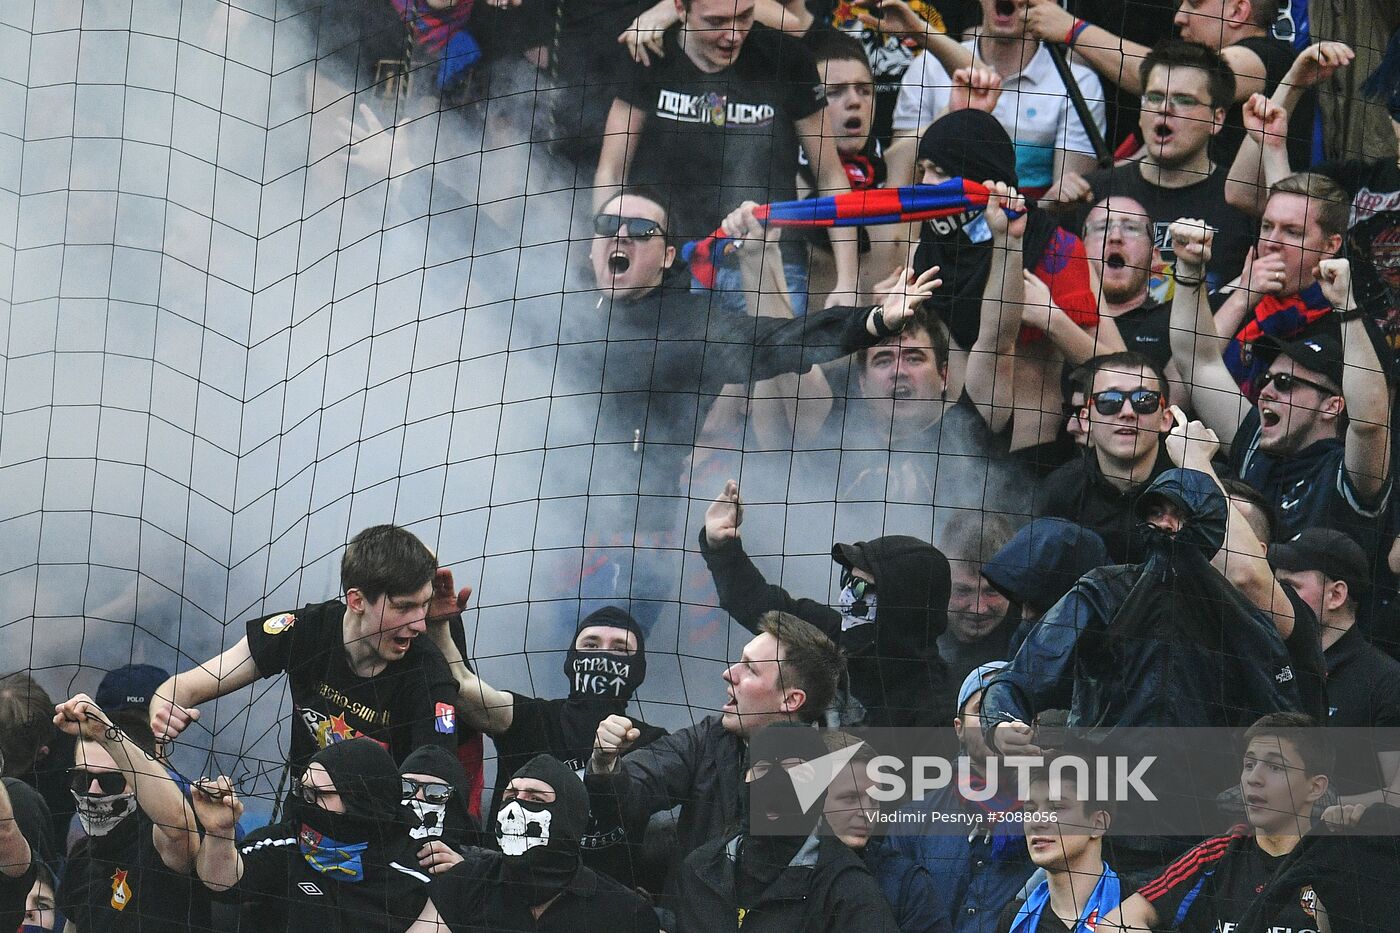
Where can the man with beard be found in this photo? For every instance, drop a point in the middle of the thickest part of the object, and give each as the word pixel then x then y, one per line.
pixel 891 611
pixel 641 361
pixel 132 870
pixel 537 881
pixel 605 665
pixel 1118 236
pixel 342 860
pixel 776 873
pixel 436 808
pixel 1316 442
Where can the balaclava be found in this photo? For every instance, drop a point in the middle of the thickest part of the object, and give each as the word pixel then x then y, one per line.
pixel 340 844
pixel 600 682
pixel 101 814
pixel 449 821
pixel 775 807
pixel 539 842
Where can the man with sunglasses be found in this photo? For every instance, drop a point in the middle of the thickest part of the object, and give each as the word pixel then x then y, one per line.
pixel 435 796
pixel 133 868
pixel 356 665
pixel 1127 415
pixel 1316 442
pixel 1187 89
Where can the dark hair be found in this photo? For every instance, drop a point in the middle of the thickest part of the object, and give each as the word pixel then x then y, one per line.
pixel 1178 53
pixel 1121 362
pixel 137 727
pixel 1307 737
pixel 811 661
pixel 1262 13
pixel 648 193
pixel 1333 208
pixel 1239 489
pixel 386 559
pixel 26 722
pixel 925 320
pixel 829 45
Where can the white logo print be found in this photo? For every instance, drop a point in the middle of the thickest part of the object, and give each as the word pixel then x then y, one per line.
pixel 306 887
pixel 519 830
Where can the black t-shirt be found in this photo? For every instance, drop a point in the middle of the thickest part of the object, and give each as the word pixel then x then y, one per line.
pixel 537 728
pixel 13 893
pixel 118 883
pixel 712 141
pixel 472 897
pixel 1363 689
pixel 1204 199
pixel 1079 492
pixel 407 705
pixel 285 893
pixel 1277 57
pixel 1373 239
pixel 1210 888
pixel 1146 329
pixel 1309 489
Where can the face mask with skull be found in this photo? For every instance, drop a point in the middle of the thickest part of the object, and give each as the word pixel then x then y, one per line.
pixel 540 842
pixel 426 820
pixel 521 826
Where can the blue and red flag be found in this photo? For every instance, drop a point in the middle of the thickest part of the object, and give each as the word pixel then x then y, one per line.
pixel 869 208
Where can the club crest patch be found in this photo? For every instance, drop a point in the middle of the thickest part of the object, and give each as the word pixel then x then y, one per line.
pixel 121 891
pixel 279 624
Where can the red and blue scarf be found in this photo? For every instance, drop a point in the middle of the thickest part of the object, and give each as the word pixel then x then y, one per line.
pixel 1280 318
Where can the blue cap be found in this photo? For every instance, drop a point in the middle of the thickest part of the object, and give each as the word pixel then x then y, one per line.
pixel 976 680
pixel 130 686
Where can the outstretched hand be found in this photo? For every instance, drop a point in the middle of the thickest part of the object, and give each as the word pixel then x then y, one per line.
pixel 724 516
pixel 903 292
pixel 1317 63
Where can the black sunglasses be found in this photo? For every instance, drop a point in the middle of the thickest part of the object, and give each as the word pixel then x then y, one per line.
pixel 433 791
pixel 858 586
pixel 638 228
pixel 110 782
pixel 1286 382
pixel 1110 401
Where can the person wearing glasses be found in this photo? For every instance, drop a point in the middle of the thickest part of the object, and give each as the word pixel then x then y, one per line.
pixel 1187 89
pixel 1127 415
pixel 1315 439
pixel 341 859
pixel 1119 238
pixel 434 794
pixel 132 870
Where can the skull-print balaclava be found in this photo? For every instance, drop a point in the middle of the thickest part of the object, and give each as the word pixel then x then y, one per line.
pixel 450 821
pixel 539 842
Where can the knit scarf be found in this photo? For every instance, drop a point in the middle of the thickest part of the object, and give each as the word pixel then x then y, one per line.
pixel 1277 317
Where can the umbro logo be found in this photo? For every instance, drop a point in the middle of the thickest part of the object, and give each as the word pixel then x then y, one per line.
pixel 308 888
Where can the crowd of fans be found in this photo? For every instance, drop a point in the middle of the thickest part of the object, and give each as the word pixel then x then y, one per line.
pixel 1159 363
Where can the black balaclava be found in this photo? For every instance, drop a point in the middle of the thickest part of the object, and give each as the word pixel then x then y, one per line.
pixel 539 842
pixel 451 821
pixel 370 831
pixel 600 682
pixel 762 856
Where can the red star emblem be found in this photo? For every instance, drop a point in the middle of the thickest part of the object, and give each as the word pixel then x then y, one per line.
pixel 340 729
pixel 119 878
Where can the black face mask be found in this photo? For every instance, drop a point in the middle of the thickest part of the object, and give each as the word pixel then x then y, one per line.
pixel 540 848
pixel 605 675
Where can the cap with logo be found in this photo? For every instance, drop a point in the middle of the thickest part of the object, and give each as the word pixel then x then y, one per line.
pixel 130 686
pixel 1321 352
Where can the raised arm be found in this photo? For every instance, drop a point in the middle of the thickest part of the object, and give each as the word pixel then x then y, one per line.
pixel 990 380
pixel 173 707
pixel 218 864
pixel 1196 347
pixel 483 707
pixel 620 134
pixel 175 833
pixel 1363 386
pixel 831 179
pixel 15 855
pixel 1115 59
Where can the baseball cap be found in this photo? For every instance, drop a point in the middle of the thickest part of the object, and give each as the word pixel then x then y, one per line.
pixel 1321 352
pixel 1336 555
pixel 977 680
pixel 130 686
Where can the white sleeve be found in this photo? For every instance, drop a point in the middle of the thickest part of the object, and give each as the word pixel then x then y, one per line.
pixel 1073 137
pixel 923 92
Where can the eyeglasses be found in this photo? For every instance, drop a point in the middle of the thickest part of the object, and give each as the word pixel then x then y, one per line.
pixel 433 791
pixel 1110 401
pixel 1127 228
pixel 1158 101
pixel 311 794
pixel 110 782
pixel 1284 383
pixel 857 586
pixel 638 228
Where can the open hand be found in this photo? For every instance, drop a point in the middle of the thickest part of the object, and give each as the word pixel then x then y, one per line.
pixel 724 516
pixel 448 601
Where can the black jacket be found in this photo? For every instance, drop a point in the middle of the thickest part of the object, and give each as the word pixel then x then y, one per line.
pixel 825 887
pixel 698 769
pixel 895 670
pixel 1169 642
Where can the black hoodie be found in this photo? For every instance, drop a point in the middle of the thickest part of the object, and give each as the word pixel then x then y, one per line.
pixel 895 670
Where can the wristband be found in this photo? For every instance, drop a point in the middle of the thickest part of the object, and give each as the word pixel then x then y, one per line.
pixel 877 320
pixel 1189 281
pixel 1342 316
pixel 1075 29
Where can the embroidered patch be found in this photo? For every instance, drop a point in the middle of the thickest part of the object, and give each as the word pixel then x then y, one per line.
pixel 446 718
pixel 121 891
pixel 279 624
